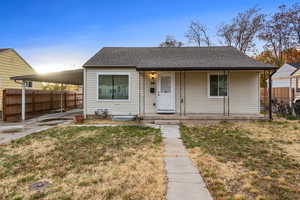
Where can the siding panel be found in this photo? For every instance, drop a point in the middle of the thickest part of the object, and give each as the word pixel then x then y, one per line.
pixel 12 65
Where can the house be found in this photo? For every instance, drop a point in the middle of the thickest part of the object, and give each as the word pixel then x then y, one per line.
pixel 12 64
pixel 171 83
pixel 282 78
pixel 295 80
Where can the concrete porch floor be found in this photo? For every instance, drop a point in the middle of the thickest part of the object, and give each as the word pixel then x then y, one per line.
pixel 191 116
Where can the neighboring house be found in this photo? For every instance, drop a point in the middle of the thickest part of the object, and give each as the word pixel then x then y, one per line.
pixel 152 81
pixel 12 64
pixel 285 78
pixel 281 78
pixel 295 77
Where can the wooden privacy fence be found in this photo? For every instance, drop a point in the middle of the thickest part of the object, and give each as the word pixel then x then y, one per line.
pixel 279 94
pixel 37 102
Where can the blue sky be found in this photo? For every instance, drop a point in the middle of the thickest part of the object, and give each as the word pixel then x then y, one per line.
pixel 55 35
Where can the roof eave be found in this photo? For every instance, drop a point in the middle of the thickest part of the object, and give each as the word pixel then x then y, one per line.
pixel 108 66
pixel 202 68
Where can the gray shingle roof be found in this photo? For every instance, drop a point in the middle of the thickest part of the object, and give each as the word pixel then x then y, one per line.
pixel 183 58
pixel 296 65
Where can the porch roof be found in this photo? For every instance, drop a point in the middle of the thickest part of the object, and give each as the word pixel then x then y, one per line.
pixel 178 58
pixel 73 77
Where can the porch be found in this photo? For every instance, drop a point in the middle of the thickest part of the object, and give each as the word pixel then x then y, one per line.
pixel 202 95
pixel 204 116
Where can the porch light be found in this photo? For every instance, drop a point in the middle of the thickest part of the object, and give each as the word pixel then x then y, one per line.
pixel 152 75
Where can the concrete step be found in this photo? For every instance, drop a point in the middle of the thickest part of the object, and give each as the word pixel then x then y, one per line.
pixel 166 122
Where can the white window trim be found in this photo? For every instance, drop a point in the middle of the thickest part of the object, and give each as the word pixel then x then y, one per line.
pixel 208 85
pixel 114 73
pixel 27 84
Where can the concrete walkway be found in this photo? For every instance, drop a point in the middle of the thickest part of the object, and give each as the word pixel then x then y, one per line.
pixel 13 131
pixel 184 180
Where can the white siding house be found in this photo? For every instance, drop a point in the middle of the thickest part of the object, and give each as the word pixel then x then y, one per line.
pixel 296 83
pixel 282 77
pixel 153 81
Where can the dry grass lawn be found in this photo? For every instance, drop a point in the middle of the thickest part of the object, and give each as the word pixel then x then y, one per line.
pixel 109 121
pixel 85 163
pixel 247 160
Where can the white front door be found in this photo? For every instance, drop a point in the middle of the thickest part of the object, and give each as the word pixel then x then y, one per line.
pixel 166 93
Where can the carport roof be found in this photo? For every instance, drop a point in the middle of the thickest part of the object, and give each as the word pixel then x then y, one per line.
pixel 73 77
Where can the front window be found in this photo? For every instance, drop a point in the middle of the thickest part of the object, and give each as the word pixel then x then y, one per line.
pixel 113 87
pixel 217 85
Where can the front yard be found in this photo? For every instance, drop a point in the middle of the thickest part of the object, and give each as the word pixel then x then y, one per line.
pixel 253 160
pixel 84 163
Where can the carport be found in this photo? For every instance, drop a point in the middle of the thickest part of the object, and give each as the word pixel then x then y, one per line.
pixel 70 77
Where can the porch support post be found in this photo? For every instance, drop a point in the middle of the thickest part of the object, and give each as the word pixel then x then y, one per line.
pixel 180 95
pixel 84 93
pixel 270 96
pixel 23 102
pixel 265 93
pixel 184 94
pixel 290 92
pixel 224 98
pixel 139 94
pixel 144 88
pixel 228 88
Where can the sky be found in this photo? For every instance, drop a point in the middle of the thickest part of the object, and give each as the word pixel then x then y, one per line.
pixel 55 35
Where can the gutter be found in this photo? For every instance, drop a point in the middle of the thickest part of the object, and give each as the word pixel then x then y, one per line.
pixel 179 68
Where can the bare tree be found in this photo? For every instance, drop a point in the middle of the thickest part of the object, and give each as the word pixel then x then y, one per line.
pixel 293 17
pixel 243 29
pixel 277 35
pixel 171 42
pixel 197 33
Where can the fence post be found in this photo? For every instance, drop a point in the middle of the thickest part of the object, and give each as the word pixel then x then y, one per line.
pixel 4 105
pixel 75 99
pixel 33 102
pixel 51 100
pixel 66 102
